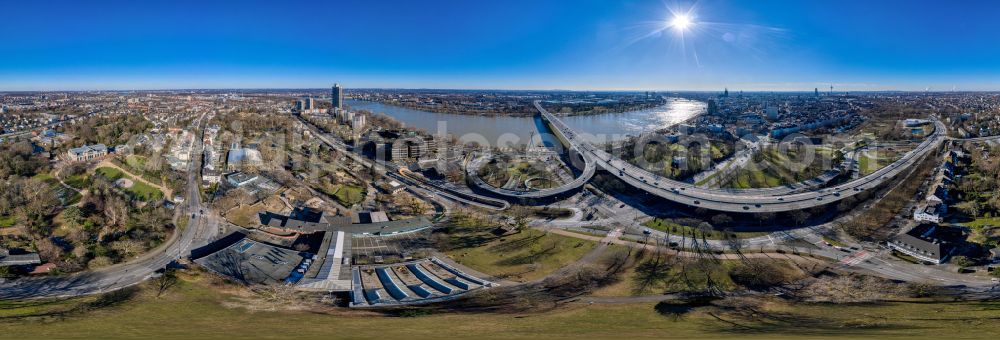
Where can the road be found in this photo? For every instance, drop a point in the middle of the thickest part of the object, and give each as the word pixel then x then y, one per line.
pixel 855 257
pixel 201 229
pixel 401 174
pixel 747 201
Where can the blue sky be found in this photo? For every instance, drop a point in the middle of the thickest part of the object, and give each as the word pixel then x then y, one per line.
pixel 511 44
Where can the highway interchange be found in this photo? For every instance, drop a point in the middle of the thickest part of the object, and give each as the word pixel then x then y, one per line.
pixel 202 228
pixel 743 201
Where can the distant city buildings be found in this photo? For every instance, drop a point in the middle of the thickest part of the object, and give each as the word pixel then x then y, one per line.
pixel 772 112
pixel 358 122
pixel 413 148
pixel 307 105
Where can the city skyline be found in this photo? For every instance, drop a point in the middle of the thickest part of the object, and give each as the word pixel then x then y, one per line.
pixel 559 45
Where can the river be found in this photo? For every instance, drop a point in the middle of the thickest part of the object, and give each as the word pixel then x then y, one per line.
pixel 519 130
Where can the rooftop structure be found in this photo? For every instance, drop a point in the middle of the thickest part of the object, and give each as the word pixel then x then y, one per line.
pixel 6 259
pixel 332 266
pixel 307 220
pixel 303 220
pixel 415 282
pixel 252 262
pixel 240 158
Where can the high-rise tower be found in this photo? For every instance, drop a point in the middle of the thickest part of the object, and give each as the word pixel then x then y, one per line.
pixel 337 94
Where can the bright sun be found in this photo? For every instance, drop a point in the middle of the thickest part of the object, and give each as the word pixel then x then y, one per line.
pixel 680 22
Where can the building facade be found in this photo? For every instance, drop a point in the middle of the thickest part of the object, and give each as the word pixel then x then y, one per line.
pixel 921 244
pixel 87 152
pixel 337 96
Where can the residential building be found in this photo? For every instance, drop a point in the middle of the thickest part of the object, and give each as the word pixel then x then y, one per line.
pixel 921 243
pixel 358 122
pixel 412 148
pixel 928 213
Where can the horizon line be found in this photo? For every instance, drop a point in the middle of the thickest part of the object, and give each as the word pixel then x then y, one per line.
pixel 495 89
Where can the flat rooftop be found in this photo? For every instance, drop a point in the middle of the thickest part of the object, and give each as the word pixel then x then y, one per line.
pixel 252 262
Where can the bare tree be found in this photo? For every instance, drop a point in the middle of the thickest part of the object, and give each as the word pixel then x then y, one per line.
pixel 128 248
pixel 166 280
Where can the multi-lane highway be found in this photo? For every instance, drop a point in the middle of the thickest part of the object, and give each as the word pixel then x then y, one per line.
pixel 201 229
pixel 732 201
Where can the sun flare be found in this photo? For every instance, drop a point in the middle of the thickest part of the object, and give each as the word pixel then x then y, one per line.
pixel 681 22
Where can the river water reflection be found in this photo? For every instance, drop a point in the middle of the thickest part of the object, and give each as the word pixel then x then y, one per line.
pixel 519 130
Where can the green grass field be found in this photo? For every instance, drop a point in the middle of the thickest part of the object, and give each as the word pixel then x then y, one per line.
pixel 774 167
pixel 135 162
pixel 77 181
pixel 45 177
pixel 194 309
pixel 753 177
pixel 525 256
pixel 66 196
pixel 868 164
pixel 7 221
pixel 713 234
pixel 110 173
pixel 983 221
pixel 139 189
pixel 347 195
pixel 145 191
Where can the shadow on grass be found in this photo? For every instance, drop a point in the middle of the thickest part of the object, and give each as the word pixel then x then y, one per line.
pixel 749 318
pixel 107 300
pixel 530 257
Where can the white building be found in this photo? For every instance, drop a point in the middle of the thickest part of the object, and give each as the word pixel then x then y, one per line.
pixel 358 122
pixel 928 213
pixel 87 152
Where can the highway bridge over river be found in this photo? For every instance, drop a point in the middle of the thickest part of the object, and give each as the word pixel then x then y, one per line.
pixel 742 201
